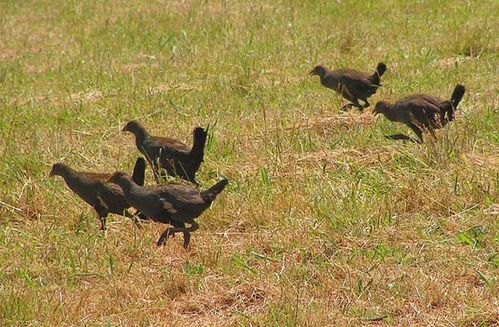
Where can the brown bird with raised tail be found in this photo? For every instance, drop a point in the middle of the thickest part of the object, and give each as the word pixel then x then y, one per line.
pixel 174 204
pixel 351 84
pixel 174 156
pixel 422 112
pixel 96 189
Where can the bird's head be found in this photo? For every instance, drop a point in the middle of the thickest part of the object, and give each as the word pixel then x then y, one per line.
pixel 200 132
pixel 381 108
pixel 134 127
pixel 318 70
pixel 58 169
pixel 117 177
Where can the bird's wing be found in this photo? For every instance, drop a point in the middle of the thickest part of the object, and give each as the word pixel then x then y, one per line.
pixel 356 85
pixel 421 102
pixel 102 177
pixel 168 206
pixel 181 196
pixel 432 100
pixel 170 144
pixel 101 207
pixel 420 112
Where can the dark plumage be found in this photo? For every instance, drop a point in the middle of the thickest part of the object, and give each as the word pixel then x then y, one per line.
pixel 422 111
pixel 172 155
pixel 95 189
pixel 351 84
pixel 173 204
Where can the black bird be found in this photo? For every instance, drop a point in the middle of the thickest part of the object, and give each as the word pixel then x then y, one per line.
pixel 351 84
pixel 172 155
pixel 173 204
pixel 96 189
pixel 422 112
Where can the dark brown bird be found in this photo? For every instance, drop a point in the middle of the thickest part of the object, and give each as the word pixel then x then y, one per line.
pixel 172 155
pixel 351 84
pixel 96 189
pixel 173 204
pixel 422 112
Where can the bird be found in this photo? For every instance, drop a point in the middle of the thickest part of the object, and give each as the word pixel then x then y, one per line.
pixel 422 112
pixel 174 204
pixel 96 190
pixel 168 153
pixel 351 84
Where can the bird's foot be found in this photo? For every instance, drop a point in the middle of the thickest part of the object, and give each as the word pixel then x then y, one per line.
pixel 136 222
pixel 164 237
pixel 347 107
pixel 401 137
pixel 187 239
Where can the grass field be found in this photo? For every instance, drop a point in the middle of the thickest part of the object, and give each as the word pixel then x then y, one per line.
pixel 325 222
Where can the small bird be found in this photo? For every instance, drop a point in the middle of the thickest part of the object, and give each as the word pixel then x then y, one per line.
pixel 174 204
pixel 422 112
pixel 172 155
pixel 95 189
pixel 351 84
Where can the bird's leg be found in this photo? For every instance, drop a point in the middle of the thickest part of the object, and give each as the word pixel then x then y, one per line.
pixel 356 104
pixel 187 235
pixel 187 239
pixel 167 233
pixel 194 227
pixel 102 223
pixel 102 211
pixel 347 106
pixel 141 216
pixel 418 131
pixel 400 137
pixel 133 217
pixel 157 174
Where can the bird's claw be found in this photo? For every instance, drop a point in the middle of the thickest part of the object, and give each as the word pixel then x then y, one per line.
pixel 164 237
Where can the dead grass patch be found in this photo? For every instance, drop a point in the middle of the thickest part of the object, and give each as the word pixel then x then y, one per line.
pixel 166 88
pixel 79 97
pixel 344 156
pixel 342 121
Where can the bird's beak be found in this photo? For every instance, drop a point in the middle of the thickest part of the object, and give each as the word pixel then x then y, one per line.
pixel 207 128
pixel 312 72
pixel 51 173
pixel 375 113
pixel 124 129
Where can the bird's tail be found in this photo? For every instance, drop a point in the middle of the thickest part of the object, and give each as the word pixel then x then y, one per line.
pixel 375 78
pixel 450 106
pixel 139 171
pixel 210 194
pixel 199 142
pixel 457 95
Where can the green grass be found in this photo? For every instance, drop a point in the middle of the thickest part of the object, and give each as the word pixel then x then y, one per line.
pixel 325 222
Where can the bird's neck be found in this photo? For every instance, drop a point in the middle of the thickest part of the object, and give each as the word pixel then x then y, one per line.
pixel 128 185
pixel 331 82
pixel 140 135
pixel 390 114
pixel 69 174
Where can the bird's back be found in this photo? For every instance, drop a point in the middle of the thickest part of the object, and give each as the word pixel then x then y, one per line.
pixel 182 196
pixel 350 73
pixel 169 144
pixel 356 83
pixel 420 109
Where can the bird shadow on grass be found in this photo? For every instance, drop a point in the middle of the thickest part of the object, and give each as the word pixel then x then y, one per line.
pixel 401 137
